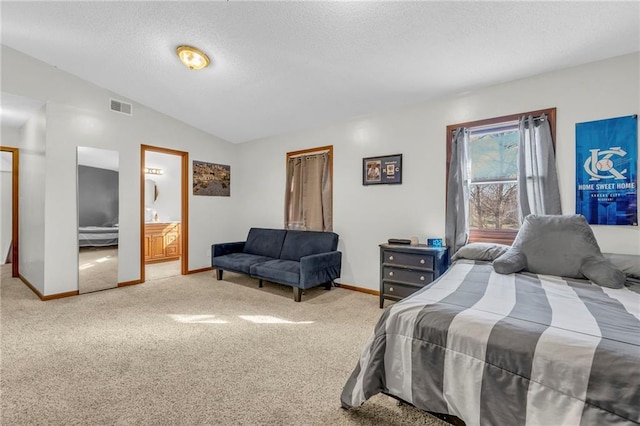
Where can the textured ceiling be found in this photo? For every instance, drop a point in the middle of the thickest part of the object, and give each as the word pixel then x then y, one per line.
pixel 280 67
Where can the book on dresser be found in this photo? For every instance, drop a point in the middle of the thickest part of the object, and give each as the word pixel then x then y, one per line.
pixel 405 269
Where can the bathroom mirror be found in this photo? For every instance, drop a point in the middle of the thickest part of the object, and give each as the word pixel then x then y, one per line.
pixel 150 197
pixel 98 223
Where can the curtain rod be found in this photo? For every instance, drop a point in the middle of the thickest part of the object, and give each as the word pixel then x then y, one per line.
pixel 498 124
pixel 539 117
pixel 309 153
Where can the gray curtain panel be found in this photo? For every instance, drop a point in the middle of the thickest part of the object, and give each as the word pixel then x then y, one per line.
pixel 538 188
pixel 308 193
pixel 457 216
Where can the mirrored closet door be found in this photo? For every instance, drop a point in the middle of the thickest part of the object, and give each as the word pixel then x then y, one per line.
pixel 98 219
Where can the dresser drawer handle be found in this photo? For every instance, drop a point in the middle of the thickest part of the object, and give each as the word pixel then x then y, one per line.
pixel 391 273
pixel 422 261
pixel 390 257
pixel 390 289
pixel 421 277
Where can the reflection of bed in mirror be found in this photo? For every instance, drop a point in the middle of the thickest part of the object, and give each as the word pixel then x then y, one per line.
pixel 98 206
pixel 97 236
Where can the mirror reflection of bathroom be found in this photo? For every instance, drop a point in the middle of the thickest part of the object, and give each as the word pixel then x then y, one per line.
pixel 163 209
pixel 98 219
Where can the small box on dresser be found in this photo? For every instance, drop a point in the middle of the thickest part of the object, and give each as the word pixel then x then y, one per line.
pixel 405 269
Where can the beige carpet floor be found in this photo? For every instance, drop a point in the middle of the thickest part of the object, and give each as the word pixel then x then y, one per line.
pixel 154 271
pixel 98 269
pixel 187 350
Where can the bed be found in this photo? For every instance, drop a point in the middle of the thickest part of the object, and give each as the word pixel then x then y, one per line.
pixel 97 236
pixel 516 348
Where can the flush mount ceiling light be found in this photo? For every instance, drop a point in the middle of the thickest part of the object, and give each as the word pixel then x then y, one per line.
pixel 192 57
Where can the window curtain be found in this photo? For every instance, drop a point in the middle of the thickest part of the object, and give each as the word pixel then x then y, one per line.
pixel 538 188
pixel 308 194
pixel 457 216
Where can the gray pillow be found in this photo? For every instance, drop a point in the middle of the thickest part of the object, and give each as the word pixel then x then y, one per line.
pixel 480 251
pixel 559 245
pixel 513 260
pixel 627 263
pixel 603 273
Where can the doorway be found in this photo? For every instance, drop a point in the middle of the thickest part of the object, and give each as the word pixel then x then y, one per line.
pixel 164 213
pixel 9 181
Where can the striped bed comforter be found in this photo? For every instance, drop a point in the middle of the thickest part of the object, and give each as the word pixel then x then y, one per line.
pixel 519 349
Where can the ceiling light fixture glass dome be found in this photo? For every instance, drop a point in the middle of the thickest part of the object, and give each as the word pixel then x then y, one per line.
pixel 192 57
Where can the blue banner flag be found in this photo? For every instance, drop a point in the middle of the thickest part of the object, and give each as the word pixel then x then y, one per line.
pixel 607 171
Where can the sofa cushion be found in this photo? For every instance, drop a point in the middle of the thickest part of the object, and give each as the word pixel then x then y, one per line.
pixel 278 271
pixel 237 262
pixel 265 242
pixel 298 244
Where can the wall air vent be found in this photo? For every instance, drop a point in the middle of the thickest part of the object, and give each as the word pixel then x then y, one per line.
pixel 121 107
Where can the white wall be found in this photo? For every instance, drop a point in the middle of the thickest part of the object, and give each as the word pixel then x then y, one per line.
pixel 31 199
pixel 365 216
pixel 10 136
pixel 77 115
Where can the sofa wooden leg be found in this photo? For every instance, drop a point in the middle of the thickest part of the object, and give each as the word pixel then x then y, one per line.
pixel 260 283
pixel 218 274
pixel 297 294
pixel 327 285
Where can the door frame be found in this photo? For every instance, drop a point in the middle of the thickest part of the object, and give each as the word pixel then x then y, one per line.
pixel 184 205
pixel 15 162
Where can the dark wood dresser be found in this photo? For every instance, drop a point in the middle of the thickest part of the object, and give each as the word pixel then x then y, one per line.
pixel 405 269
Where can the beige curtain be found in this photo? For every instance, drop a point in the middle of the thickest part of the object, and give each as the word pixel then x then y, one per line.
pixel 308 193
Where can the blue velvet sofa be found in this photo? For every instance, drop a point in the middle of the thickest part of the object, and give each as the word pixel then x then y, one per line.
pixel 300 259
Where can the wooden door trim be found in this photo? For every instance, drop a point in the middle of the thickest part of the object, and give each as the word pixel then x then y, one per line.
pixel 184 205
pixel 15 240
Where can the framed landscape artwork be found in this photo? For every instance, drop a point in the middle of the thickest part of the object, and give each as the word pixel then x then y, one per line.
pixel 382 170
pixel 211 179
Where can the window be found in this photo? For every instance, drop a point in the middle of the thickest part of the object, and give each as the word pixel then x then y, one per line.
pixel 493 151
pixel 493 177
pixel 309 190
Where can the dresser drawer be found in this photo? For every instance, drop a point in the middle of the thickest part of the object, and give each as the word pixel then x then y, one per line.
pixel 414 260
pixel 407 275
pixel 406 269
pixel 400 291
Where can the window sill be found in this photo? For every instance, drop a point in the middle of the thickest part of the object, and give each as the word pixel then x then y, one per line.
pixel 492 236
